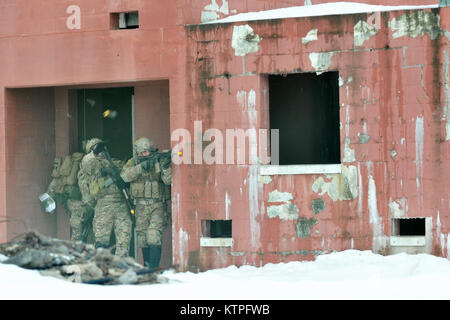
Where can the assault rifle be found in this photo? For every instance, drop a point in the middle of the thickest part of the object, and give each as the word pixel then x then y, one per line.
pixel 156 156
pixel 114 174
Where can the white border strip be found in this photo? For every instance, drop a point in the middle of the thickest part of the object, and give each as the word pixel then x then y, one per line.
pixel 216 242
pixel 269 170
pixel 407 241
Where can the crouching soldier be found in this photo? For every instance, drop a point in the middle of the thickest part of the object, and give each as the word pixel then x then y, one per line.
pixel 64 187
pixel 99 190
pixel 149 177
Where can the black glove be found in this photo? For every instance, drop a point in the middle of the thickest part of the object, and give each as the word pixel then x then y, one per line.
pixel 165 163
pixel 148 164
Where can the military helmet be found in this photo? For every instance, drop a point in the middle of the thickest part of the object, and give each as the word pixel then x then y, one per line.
pixel 142 144
pixel 91 143
pixel 83 146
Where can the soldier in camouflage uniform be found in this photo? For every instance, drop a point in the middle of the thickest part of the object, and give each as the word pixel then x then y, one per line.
pixel 99 190
pixel 64 187
pixel 149 187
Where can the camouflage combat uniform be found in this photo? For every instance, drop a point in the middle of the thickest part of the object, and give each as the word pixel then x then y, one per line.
pixel 111 211
pixel 150 190
pixel 64 187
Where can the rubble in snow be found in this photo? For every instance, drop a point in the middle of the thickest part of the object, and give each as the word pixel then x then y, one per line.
pixel 75 261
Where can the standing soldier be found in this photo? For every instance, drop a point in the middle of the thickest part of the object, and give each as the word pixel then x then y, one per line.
pixel 149 180
pixel 64 187
pixel 98 189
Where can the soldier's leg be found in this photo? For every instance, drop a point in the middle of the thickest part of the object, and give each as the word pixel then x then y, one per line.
pixel 88 230
pixel 154 234
pixel 142 222
pixel 156 225
pixel 103 223
pixel 76 219
pixel 122 229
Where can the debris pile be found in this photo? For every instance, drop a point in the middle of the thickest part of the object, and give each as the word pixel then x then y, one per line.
pixel 75 261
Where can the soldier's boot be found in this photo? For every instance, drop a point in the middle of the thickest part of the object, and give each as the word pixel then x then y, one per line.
pixel 146 256
pixel 155 255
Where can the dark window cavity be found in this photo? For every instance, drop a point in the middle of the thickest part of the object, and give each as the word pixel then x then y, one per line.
pixel 216 228
pixel 305 109
pixel 408 227
pixel 125 20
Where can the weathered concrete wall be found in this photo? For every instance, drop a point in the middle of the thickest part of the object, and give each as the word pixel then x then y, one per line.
pixel 394 143
pixel 30 150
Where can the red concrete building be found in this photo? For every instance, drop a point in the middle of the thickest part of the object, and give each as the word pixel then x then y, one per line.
pixel 353 107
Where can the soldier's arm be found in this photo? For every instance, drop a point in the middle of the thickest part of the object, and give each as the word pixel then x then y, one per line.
pixel 166 176
pixel 51 188
pixel 85 175
pixel 131 172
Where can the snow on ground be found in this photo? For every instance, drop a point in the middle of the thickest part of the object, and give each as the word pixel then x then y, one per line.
pixel 349 274
pixel 333 8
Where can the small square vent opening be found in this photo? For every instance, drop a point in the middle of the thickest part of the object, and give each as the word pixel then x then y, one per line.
pixel 125 20
pixel 216 228
pixel 408 227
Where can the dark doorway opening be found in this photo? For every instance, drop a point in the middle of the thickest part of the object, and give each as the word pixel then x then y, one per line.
pixel 305 109
pixel 107 114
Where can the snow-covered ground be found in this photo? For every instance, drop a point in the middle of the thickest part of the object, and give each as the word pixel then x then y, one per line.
pixel 349 274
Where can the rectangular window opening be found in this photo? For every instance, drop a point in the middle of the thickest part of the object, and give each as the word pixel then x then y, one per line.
pixel 125 20
pixel 304 107
pixel 216 228
pixel 408 227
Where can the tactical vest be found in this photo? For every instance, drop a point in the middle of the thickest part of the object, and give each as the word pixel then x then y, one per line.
pixel 149 185
pixel 100 186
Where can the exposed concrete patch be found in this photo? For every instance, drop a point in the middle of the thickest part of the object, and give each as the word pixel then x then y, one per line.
pixel 310 36
pixel 342 81
pixel 342 186
pixel 266 179
pixel 254 192
pixel 349 183
pixel 211 11
pixel 393 154
pixel 331 188
pixel 379 239
pixel 349 154
pixel 363 138
pixel 317 205
pixel 183 245
pixel 415 23
pixel 286 211
pixel 321 61
pixel 244 40
pixel 362 31
pixel 303 227
pixel 276 196
pixel 419 135
pixel 397 208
